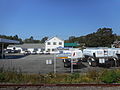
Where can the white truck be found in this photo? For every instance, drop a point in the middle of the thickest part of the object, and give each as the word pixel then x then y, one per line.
pixel 32 50
pixel 102 56
pixel 70 56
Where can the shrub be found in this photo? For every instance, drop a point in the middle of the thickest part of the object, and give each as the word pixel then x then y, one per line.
pixel 110 76
pixel 2 77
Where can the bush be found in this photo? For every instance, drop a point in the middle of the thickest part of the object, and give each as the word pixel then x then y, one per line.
pixel 110 76
pixel 2 77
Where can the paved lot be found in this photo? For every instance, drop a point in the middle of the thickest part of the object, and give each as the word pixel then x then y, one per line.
pixel 30 63
pixel 37 64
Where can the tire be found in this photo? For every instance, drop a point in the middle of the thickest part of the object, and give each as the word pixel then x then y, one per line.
pixel 90 63
pixel 93 64
pixel 108 64
pixel 66 65
pixel 118 63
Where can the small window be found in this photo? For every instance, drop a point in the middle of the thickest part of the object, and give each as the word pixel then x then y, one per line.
pixel 48 43
pixel 53 49
pixel 60 43
pixel 54 43
pixel 48 50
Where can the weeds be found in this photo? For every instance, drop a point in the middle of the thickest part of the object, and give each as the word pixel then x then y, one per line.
pixel 102 76
pixel 111 76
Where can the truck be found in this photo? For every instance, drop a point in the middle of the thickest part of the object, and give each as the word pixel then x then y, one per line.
pixel 71 56
pixel 108 57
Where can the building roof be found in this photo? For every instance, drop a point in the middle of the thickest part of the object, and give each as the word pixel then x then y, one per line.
pixel 52 38
pixel 71 44
pixel 31 45
pixel 2 40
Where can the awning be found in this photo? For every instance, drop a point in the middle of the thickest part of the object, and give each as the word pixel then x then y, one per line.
pixel 6 41
pixel 71 44
pixel 2 40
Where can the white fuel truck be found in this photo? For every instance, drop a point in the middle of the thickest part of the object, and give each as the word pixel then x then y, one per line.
pixel 102 56
pixel 71 56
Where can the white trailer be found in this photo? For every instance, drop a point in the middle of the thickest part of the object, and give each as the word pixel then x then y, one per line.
pixel 71 56
pixel 102 56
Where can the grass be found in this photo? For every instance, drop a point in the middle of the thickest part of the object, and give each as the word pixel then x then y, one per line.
pixel 102 76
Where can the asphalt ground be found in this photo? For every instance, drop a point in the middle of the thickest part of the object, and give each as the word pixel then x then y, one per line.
pixel 37 64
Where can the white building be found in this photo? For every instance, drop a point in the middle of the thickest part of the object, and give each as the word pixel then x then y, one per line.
pixel 53 43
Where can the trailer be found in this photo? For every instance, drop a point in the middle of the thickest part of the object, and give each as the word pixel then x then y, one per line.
pixel 70 56
pixel 108 57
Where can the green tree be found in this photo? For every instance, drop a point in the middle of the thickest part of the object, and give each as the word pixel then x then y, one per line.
pixel 44 39
pixel 104 37
pixel 31 40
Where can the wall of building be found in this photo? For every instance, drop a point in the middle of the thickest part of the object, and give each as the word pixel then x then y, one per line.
pixel 52 44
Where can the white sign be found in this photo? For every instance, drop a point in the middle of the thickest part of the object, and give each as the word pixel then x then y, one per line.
pixel 49 61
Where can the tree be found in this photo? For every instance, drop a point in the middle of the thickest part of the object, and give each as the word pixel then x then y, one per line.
pixel 31 40
pixel 104 37
pixel 44 39
pixel 16 37
pixel 12 38
pixel 71 39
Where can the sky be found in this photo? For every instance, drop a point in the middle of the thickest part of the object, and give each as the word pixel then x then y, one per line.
pixel 62 18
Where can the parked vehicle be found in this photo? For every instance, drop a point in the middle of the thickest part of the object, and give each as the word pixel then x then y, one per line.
pixel 102 56
pixel 12 51
pixel 71 56
pixel 39 51
pixel 25 51
pixel 32 50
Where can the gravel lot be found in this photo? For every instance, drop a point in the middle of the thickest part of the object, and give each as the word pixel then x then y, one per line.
pixel 37 64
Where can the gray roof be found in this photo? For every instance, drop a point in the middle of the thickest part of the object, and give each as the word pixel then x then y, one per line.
pixel 52 38
pixel 2 40
pixel 31 45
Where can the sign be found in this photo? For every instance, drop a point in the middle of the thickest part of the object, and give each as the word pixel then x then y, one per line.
pixel 49 61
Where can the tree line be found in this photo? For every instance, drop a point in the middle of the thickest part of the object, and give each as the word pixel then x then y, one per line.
pixel 27 40
pixel 32 40
pixel 103 37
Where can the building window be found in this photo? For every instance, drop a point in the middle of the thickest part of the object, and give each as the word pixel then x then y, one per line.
pixel 60 43
pixel 48 43
pixel 53 49
pixel 54 43
pixel 48 50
